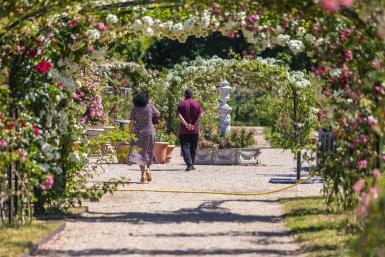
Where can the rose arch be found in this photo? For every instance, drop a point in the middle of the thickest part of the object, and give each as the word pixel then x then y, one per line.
pixel 48 57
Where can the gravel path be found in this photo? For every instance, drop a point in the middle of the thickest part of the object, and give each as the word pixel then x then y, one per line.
pixel 165 224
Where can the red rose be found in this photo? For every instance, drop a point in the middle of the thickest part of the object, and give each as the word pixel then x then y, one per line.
pixel 43 67
pixel 24 123
pixel 36 130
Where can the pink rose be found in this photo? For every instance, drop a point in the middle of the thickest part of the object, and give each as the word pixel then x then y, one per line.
pixel 348 55
pixel 61 86
pixel 90 48
pixel 372 121
pixel 376 64
pixel 47 184
pixel 359 185
pixel 101 26
pixel 374 192
pixel 346 3
pixel 3 144
pixel 330 5
pixel 376 174
pixel 22 153
pixel 362 164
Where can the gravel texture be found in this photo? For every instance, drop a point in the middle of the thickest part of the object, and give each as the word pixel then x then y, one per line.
pixel 166 224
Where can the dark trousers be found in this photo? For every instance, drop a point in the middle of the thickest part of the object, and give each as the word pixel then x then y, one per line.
pixel 189 144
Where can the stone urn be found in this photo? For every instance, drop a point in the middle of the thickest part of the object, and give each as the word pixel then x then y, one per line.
pixel 160 152
pixel 169 150
pixel 122 151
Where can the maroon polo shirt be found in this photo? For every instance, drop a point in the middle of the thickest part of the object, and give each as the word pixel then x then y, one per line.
pixel 190 111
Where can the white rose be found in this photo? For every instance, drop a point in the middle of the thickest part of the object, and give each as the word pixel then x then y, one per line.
pixel 310 38
pixel 93 34
pixel 148 32
pixel 111 18
pixel 282 39
pixel 177 28
pixel 137 25
pixel 148 21
pixel 296 46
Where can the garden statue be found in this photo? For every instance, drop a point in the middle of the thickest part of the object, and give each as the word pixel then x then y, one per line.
pixel 224 109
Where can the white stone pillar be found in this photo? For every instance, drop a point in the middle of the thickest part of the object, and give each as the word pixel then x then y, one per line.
pixel 224 109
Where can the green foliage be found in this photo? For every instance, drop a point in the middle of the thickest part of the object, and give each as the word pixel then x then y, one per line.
pixel 168 138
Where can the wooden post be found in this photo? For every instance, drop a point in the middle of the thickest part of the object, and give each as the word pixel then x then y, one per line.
pixel 297 133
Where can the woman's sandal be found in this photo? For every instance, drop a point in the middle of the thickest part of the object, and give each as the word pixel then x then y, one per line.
pixel 144 180
pixel 148 175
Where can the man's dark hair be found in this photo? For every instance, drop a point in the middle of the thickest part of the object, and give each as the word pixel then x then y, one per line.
pixel 188 93
pixel 141 99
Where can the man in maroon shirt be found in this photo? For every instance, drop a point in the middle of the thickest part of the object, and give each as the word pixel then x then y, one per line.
pixel 189 113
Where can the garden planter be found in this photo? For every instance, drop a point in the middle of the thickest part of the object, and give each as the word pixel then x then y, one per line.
pixel 248 156
pixel 93 133
pixel 122 151
pixel 169 150
pixel 233 156
pixel 108 128
pixel 160 152
pixel 204 156
pixel 225 157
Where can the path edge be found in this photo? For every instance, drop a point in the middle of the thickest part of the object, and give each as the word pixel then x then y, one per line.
pixel 33 250
pixel 35 247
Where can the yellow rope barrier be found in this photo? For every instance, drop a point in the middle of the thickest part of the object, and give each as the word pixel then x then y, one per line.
pixel 216 193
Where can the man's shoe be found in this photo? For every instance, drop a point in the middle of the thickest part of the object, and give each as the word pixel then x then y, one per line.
pixel 190 168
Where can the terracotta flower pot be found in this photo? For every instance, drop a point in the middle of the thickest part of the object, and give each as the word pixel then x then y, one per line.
pixel 160 152
pixel 169 150
pixel 122 151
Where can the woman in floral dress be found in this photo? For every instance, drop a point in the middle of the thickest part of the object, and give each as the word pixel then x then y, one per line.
pixel 142 125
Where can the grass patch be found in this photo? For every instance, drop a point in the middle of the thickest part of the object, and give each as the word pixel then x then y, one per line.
pixel 16 241
pixel 320 232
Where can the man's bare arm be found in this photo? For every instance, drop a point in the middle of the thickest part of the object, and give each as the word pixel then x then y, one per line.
pixel 184 123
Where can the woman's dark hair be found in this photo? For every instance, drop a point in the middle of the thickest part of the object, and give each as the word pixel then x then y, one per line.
pixel 188 93
pixel 141 99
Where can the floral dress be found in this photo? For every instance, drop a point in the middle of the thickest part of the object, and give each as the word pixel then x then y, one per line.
pixel 143 153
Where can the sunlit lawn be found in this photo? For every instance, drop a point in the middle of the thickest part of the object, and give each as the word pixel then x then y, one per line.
pixel 16 241
pixel 321 233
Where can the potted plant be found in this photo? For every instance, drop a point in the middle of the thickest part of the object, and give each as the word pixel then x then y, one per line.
pixel 170 139
pixel 120 139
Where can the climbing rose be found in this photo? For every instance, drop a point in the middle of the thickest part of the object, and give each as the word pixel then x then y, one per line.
pixel 90 48
pixel 374 192
pixel 362 164
pixel 346 3
pixel 348 55
pixel 330 5
pixel 3 144
pixel 359 185
pixel 43 67
pixel 101 26
pixel 376 174
pixel 47 184
pixel 335 5
pixel 36 130
pixel 23 153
